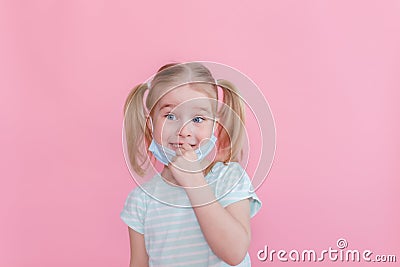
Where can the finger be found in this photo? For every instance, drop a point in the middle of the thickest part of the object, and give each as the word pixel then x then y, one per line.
pixel 178 152
pixel 183 149
pixel 189 152
pixel 186 147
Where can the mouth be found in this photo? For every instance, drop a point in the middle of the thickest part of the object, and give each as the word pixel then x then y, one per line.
pixel 179 145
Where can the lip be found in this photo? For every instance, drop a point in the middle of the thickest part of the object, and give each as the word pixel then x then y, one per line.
pixel 175 146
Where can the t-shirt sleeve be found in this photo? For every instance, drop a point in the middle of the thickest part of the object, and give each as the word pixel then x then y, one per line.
pixel 235 185
pixel 134 210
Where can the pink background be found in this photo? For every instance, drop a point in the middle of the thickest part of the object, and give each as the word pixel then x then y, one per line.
pixel 330 71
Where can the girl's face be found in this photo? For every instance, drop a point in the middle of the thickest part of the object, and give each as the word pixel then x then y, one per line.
pixel 184 115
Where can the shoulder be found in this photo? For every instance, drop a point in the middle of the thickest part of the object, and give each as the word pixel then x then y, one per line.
pixel 224 168
pixel 135 199
pixel 148 186
pixel 136 192
pixel 225 177
pixel 228 173
pixel 141 191
pixel 138 198
pixel 231 184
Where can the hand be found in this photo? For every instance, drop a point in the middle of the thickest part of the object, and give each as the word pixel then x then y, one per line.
pixel 186 168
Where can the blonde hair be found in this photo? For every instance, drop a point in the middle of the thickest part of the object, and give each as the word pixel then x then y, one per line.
pixel 138 129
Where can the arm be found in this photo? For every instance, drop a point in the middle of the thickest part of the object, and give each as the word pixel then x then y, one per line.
pixel 139 255
pixel 227 230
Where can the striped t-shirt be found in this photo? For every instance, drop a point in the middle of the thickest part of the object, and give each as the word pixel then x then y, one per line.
pixel 162 213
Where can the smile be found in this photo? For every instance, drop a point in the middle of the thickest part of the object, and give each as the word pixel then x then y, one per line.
pixel 179 145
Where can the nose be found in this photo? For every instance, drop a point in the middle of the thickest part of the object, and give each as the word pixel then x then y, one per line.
pixel 185 130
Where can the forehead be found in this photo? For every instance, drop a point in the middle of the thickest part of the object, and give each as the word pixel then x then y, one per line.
pixel 187 96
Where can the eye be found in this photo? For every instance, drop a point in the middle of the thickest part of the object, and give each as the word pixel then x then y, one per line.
pixel 170 116
pixel 198 119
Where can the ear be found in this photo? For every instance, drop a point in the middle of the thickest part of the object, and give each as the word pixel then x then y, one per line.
pixel 218 127
pixel 149 124
pixel 223 143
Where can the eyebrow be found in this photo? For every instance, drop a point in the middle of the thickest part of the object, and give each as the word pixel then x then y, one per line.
pixel 202 109
pixel 195 108
pixel 167 106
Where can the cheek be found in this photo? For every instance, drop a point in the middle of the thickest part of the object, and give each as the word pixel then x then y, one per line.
pixel 162 132
pixel 157 129
pixel 204 132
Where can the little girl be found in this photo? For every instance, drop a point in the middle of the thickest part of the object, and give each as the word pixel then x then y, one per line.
pixel 196 211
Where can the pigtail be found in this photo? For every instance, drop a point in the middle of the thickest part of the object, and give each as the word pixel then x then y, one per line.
pixel 135 128
pixel 232 119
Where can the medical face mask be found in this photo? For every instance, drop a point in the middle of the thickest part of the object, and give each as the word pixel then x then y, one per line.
pixel 166 155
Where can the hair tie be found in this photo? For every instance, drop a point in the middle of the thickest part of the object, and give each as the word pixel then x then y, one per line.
pixel 216 81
